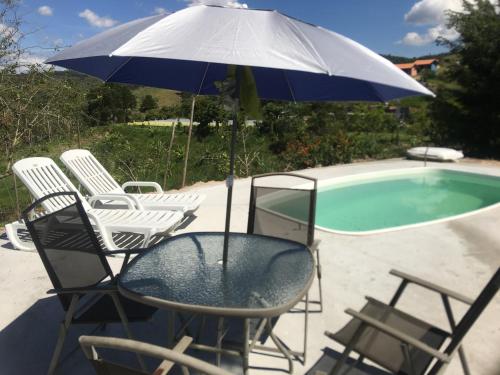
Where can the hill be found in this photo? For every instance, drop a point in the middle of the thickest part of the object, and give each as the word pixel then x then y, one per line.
pixel 165 98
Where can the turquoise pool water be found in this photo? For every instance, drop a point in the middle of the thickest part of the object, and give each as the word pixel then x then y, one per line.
pixel 393 200
pixel 397 200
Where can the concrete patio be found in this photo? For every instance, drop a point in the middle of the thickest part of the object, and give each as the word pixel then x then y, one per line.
pixel 461 254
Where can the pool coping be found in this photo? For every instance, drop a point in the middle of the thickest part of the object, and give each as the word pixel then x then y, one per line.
pixel 390 172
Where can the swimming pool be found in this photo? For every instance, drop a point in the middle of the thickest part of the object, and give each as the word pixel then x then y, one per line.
pixel 365 204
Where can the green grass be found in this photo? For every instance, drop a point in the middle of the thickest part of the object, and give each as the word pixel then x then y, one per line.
pixel 165 98
pixel 153 123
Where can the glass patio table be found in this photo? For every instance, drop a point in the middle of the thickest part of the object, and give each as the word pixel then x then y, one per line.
pixel 264 277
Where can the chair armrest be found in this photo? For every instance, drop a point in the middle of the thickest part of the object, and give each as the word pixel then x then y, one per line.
pixel 132 204
pixel 102 289
pixel 90 343
pixel 125 251
pixel 152 184
pixel 433 287
pixel 106 235
pixel 391 331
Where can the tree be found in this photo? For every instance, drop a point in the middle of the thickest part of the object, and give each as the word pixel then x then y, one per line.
pixel 208 109
pixel 110 103
pixel 467 113
pixel 284 122
pixel 169 112
pixel 35 104
pixel 148 103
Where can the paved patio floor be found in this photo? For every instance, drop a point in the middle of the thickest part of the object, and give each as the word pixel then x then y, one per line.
pixel 461 254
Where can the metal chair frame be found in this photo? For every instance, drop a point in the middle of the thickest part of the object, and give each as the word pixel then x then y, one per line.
pixel 458 331
pixel 70 297
pixel 310 242
pixel 170 357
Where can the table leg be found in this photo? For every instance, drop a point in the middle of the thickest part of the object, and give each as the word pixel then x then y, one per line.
pixel 171 329
pixel 220 328
pixel 246 339
pixel 306 326
pixel 280 346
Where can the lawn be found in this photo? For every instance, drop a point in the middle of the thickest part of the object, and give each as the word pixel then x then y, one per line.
pixel 166 122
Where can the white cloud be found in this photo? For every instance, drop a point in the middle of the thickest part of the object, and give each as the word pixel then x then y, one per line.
pixel 9 33
pixel 159 10
pixel 58 43
pixel 29 61
pixel 226 3
pixel 414 39
pixel 96 20
pixel 432 12
pixel 430 36
pixel 45 10
pixel 441 31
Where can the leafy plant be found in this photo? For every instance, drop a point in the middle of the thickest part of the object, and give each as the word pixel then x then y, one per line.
pixel 467 112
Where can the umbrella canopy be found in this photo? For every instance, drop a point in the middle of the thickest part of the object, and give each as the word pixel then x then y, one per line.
pixel 192 50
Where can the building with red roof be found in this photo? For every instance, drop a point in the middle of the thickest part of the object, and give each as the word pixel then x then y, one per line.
pixel 415 68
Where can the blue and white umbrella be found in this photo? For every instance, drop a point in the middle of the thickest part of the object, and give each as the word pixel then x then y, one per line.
pixel 192 49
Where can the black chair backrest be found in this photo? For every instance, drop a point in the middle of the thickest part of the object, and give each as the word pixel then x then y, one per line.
pixel 470 317
pixel 283 205
pixel 68 245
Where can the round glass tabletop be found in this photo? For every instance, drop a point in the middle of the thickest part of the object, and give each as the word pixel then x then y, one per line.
pixel 265 276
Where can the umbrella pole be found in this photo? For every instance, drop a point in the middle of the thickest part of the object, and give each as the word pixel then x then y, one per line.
pixel 229 183
pixel 186 156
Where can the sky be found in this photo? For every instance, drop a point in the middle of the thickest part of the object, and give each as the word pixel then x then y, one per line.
pixel 399 27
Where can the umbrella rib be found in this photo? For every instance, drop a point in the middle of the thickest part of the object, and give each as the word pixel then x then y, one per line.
pixel 377 93
pixel 117 69
pixel 289 86
pixel 310 47
pixel 203 79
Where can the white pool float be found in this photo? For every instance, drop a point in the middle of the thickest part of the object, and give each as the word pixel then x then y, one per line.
pixel 434 153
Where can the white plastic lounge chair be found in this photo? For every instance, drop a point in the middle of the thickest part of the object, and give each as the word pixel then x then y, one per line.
pixel 434 153
pixel 96 180
pixel 12 231
pixel 42 176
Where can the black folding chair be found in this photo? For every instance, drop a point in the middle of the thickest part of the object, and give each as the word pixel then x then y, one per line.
pixel 284 205
pixel 402 343
pixel 78 270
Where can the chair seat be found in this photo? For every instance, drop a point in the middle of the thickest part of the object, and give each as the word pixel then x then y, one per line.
pixel 329 359
pixel 103 310
pixel 386 350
